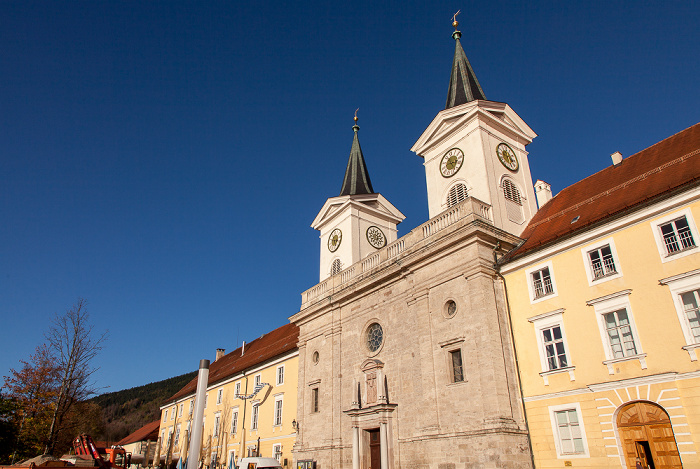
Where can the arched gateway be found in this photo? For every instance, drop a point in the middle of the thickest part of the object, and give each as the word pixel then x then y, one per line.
pixel 646 433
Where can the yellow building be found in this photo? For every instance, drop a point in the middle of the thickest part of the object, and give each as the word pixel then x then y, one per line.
pixel 604 295
pixel 250 405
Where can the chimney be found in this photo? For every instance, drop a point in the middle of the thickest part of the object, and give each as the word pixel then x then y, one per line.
pixel 617 158
pixel 243 348
pixel 220 352
pixel 543 191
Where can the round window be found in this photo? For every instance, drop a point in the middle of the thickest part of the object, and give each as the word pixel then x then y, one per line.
pixel 450 308
pixel 375 336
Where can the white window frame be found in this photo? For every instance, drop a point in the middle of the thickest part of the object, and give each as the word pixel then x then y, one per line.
pixel 277 452
pixel 658 237
pixel 217 424
pixel 165 415
pixel 238 389
pixel 177 434
pixel 511 205
pixel 585 253
pixel 448 194
pixel 555 430
pixel 219 396
pixel 172 414
pixel 545 321
pixel 531 286
pixel 254 415
pixel 191 406
pixel 234 420
pixel 277 413
pixel 608 304
pixel 679 284
pixel 280 375
pixel 206 398
pixel 257 379
pixel 182 409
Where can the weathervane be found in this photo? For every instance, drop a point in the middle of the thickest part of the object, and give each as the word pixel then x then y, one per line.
pixel 356 114
pixel 454 19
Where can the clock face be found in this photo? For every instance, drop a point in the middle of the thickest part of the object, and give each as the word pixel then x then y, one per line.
pixel 451 162
pixel 507 156
pixel 334 240
pixel 376 237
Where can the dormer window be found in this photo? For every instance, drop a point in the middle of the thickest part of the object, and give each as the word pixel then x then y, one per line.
pixel 457 194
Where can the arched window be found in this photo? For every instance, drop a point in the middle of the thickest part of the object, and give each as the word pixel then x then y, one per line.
pixel 457 194
pixel 511 192
pixel 336 267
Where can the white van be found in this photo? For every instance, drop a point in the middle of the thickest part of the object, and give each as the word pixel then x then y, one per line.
pixel 259 463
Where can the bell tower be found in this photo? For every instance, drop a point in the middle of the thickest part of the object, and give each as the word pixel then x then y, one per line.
pixel 356 223
pixel 476 148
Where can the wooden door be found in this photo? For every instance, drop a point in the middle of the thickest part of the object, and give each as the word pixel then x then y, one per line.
pixel 645 427
pixel 375 449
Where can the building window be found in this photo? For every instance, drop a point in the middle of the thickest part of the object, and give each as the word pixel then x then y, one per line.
pixel 314 399
pixel 173 413
pixel 620 337
pixel 617 329
pixel 234 421
pixel 182 409
pixel 456 366
pixel 336 267
pixel 165 415
pixel 277 452
pixel 257 380
pixel 602 262
pixel 177 434
pixel 685 292
pixel 569 433
pixel 541 283
pixel 254 416
pixel 219 396
pixel 456 194
pixel 374 337
pixel 217 421
pixel 691 300
pixel 551 341
pixel 280 375
pixel 511 192
pixel 278 411
pixel 677 235
pixel 214 457
pixel 191 406
pixel 206 398
pixel 238 389
pixel 555 352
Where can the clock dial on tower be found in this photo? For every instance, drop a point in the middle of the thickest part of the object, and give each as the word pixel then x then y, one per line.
pixel 507 156
pixel 334 240
pixel 451 162
pixel 376 237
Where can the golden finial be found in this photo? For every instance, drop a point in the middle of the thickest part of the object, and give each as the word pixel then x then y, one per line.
pixel 454 19
pixel 356 114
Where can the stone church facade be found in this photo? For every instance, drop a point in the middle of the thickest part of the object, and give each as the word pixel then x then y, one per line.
pixel 405 350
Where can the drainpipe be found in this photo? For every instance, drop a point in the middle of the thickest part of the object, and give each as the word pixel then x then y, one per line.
pixel 245 402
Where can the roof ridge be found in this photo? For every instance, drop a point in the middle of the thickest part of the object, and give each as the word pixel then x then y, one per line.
pixel 619 186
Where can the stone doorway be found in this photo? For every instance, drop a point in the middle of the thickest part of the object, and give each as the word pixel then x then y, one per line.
pixel 375 449
pixel 646 434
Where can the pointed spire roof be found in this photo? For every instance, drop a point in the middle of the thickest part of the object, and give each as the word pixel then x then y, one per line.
pixel 356 179
pixel 464 87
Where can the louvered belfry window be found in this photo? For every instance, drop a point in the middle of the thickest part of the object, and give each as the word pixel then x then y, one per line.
pixel 514 202
pixel 457 194
pixel 511 192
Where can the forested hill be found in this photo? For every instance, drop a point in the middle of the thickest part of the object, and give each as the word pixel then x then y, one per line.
pixel 128 410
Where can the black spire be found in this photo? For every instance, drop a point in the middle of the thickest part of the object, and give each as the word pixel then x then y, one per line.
pixel 464 87
pixel 356 179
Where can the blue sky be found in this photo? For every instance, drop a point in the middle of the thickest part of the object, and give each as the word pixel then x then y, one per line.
pixel 163 160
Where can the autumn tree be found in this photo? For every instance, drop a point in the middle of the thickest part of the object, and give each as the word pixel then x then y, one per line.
pixel 74 344
pixel 32 391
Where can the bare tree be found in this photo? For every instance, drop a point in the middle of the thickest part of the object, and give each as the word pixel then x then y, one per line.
pixel 75 345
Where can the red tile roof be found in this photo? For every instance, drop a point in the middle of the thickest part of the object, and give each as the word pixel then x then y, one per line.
pixel 661 169
pixel 274 343
pixel 147 432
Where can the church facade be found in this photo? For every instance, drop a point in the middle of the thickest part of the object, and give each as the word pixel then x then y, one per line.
pixel 405 349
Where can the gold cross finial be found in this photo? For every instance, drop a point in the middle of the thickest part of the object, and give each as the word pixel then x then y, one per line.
pixel 454 19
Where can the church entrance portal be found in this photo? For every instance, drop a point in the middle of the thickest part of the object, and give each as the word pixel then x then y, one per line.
pixel 375 447
pixel 646 434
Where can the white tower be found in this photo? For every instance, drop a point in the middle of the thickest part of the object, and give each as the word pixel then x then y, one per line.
pixel 476 148
pixel 356 223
